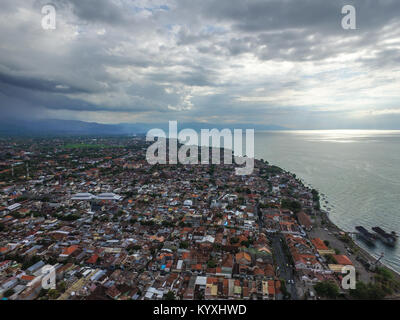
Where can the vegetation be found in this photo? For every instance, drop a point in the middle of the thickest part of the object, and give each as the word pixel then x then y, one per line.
pixel 327 289
pixel 245 243
pixel 53 294
pixel 30 262
pixel 211 264
pixel 8 293
pixel 284 290
pixel 169 296
pixel 70 217
pixel 184 224
pixel 273 170
pixel 330 259
pixel 386 280
pixel 88 146
pixel 368 291
pixel 184 245
pixel 292 205
pixel 316 198
pixel 62 286
pixel 287 252
pixel 147 223
pixel 166 223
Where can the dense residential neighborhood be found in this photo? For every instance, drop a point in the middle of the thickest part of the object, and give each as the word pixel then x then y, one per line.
pixel 113 226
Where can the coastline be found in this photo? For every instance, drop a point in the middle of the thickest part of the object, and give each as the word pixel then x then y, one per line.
pixel 334 231
pixel 364 252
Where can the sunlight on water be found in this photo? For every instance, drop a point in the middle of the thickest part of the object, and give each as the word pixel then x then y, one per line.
pixel 344 136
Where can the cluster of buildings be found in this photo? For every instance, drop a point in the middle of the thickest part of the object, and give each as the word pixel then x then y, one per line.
pixel 114 227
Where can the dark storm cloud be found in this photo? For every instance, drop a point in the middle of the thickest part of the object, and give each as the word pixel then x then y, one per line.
pixel 261 15
pixel 286 24
pixel 38 84
pixel 102 11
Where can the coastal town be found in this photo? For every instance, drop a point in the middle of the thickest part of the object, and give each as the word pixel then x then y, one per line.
pixel 114 227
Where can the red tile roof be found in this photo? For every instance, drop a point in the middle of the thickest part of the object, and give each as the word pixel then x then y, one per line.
pixel 68 251
pixel 93 259
pixel 319 244
pixel 27 278
pixel 342 259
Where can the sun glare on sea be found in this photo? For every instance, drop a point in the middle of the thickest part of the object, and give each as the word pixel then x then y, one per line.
pixel 344 136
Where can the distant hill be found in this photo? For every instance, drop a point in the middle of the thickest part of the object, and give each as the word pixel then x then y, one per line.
pixel 197 126
pixel 56 127
pixel 74 127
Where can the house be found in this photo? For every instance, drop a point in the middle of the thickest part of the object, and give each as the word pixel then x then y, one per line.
pixel 5 265
pixel 243 258
pixel 321 247
pixel 32 269
pixel 342 259
pixel 113 292
pixel 304 220
pixel 68 251
pixel 227 266
pixel 93 259
pixel 306 261
pixel 14 207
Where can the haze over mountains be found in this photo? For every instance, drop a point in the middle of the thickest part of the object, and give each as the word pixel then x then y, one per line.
pixel 74 127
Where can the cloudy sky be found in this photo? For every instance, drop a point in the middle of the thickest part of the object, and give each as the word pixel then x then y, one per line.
pixel 281 62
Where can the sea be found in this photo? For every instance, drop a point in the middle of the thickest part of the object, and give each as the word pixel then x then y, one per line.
pixel 357 173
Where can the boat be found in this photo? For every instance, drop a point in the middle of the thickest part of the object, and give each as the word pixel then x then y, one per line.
pixel 387 238
pixel 366 235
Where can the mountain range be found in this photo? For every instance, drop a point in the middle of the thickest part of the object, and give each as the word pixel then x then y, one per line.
pixel 54 127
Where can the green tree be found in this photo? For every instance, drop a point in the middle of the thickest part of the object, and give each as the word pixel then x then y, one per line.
pixel 327 289
pixel 330 259
pixel 169 296
pixel 184 245
pixel 62 286
pixel 53 294
pixel 245 243
pixel 211 264
pixel 292 205
pixel 8 293
pixel 371 291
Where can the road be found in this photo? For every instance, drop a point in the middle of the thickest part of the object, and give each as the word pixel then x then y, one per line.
pixel 282 261
pixel 286 271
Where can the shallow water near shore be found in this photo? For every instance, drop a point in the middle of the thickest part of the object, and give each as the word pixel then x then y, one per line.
pixel 356 171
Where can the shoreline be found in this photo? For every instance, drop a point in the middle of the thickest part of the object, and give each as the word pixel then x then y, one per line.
pixel 324 214
pixel 363 251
